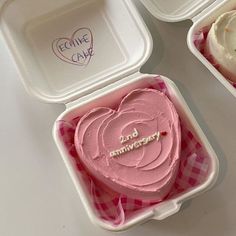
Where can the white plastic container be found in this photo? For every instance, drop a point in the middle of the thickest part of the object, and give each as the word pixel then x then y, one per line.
pixel 203 13
pixel 79 53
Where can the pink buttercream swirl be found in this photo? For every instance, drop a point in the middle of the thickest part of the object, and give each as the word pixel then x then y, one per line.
pixel 147 171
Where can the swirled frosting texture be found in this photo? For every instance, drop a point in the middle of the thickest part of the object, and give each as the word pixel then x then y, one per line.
pixel 147 171
pixel 221 43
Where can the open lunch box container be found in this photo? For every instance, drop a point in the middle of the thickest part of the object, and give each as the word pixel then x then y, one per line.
pixel 86 54
pixel 203 13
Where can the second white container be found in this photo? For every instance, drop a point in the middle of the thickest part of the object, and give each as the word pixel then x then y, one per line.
pixel 202 13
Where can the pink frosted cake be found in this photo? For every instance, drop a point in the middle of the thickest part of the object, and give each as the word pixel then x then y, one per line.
pixel 134 150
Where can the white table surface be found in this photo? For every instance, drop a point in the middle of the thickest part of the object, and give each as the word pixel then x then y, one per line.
pixel 37 197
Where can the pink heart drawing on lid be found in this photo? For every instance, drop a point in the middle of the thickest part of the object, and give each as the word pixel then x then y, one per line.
pixel 77 50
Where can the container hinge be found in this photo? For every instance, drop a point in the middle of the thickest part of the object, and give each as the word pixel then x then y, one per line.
pixel 208 9
pixel 118 84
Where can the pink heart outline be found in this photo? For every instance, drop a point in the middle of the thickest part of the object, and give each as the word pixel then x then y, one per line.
pixel 62 57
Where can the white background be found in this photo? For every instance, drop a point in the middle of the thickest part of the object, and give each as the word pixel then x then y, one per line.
pixel 37 197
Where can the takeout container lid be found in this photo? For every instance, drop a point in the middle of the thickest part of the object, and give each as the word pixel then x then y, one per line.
pixel 202 13
pixel 174 11
pixel 45 37
pixel 119 40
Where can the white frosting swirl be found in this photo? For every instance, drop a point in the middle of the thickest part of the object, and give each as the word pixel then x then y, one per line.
pixel 221 44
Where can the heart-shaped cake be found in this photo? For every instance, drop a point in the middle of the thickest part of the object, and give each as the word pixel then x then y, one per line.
pixel 134 150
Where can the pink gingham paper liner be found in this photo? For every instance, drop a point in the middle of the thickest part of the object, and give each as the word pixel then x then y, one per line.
pixel 200 38
pixel 116 208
